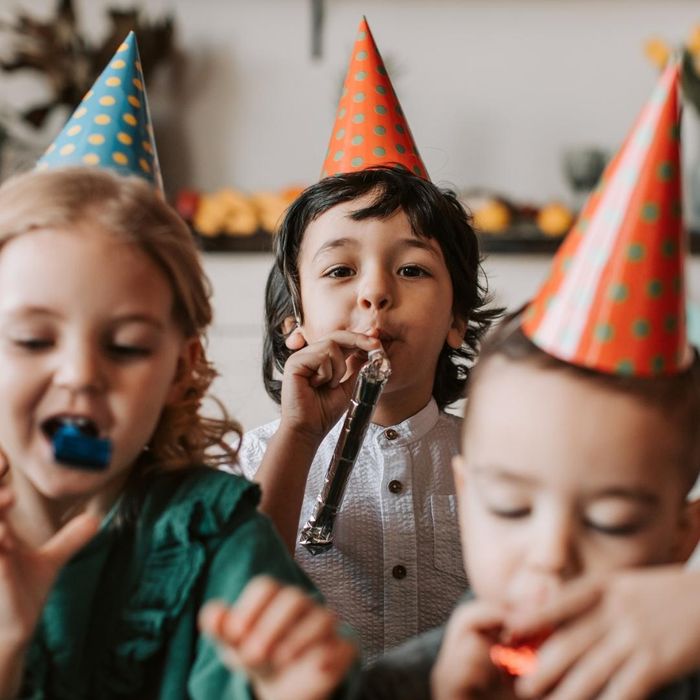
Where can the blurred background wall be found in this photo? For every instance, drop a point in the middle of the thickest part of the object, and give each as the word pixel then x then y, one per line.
pixel 494 90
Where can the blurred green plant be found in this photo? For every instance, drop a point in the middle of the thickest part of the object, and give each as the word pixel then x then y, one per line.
pixel 68 62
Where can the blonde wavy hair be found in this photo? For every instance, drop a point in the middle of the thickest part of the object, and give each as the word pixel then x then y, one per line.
pixel 132 210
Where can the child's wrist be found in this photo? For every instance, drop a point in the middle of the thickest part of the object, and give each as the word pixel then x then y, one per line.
pixel 302 438
pixel 11 669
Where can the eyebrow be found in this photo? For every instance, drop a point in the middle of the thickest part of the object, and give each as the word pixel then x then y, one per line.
pixel 403 244
pixel 505 474
pixel 43 311
pixel 631 494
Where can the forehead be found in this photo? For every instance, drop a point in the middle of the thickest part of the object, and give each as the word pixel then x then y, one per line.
pixel 337 224
pixel 85 266
pixel 561 428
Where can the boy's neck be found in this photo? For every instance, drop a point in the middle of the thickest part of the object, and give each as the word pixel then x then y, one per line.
pixel 394 408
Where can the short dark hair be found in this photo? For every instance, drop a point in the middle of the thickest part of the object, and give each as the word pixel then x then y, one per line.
pixel 434 213
pixel 676 397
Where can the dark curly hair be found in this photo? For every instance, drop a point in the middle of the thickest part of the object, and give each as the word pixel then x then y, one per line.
pixel 433 213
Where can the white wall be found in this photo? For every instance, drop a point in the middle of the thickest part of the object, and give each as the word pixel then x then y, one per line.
pixel 493 89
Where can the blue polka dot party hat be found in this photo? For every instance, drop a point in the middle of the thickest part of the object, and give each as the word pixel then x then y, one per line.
pixel 615 298
pixel 111 128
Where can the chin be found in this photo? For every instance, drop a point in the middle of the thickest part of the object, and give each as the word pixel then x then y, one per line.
pixel 57 482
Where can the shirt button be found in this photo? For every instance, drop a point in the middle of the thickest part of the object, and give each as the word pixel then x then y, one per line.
pixel 399 571
pixel 395 486
pixel 390 434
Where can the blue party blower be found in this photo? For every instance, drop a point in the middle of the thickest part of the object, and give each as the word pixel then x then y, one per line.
pixel 74 448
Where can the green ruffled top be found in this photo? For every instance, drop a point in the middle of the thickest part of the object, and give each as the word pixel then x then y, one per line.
pixel 121 620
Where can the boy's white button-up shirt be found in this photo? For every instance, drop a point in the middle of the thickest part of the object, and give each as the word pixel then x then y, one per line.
pixel 395 568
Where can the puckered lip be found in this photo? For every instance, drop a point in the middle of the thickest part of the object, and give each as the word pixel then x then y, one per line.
pixel 86 424
pixel 386 338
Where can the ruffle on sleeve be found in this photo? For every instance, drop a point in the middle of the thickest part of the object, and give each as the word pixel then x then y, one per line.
pixel 176 532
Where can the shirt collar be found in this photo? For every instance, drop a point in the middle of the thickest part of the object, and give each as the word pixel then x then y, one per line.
pixel 413 428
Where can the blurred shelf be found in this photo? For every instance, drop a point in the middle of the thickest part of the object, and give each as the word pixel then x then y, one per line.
pixel 533 242
pixel 520 241
pixel 258 242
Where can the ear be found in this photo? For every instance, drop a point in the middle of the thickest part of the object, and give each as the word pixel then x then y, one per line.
pixel 455 336
pixel 288 325
pixel 190 353
pixel 689 534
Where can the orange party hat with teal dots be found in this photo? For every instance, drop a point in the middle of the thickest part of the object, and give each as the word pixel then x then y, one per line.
pixel 370 127
pixel 111 128
pixel 614 301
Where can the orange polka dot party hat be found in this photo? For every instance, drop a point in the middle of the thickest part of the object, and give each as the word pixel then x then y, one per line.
pixel 111 127
pixel 370 127
pixel 615 298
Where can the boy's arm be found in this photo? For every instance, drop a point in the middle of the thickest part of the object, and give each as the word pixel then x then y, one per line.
pixel 282 476
pixel 621 637
pixel 316 389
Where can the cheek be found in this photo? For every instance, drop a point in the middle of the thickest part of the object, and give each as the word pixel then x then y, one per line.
pixel 654 547
pixel 489 567
pixel 21 387
pixel 146 393
pixel 324 314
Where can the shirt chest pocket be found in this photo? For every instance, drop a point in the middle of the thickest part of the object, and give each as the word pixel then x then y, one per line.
pixel 446 540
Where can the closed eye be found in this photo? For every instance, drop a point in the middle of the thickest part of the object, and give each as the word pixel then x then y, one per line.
pixel 510 513
pixel 128 351
pixel 33 344
pixel 622 530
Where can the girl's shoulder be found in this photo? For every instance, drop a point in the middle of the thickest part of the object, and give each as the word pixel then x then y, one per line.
pixel 196 503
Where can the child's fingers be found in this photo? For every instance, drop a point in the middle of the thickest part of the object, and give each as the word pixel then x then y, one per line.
pixel 574 600
pixel 336 656
pixel 252 602
pixel 211 618
pixel 322 363
pixel 7 540
pixel 70 538
pixel 321 669
pixel 633 681
pixel 7 499
pixel 349 341
pixel 295 340
pixel 559 654
pixel 590 674
pixel 331 368
pixel 282 614
pixel 318 625
pixel 474 617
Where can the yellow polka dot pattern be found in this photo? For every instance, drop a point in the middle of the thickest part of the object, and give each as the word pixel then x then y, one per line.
pixel 111 127
pixel 370 127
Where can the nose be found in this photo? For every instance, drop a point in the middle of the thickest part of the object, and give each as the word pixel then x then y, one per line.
pixel 79 368
pixel 375 291
pixel 554 552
